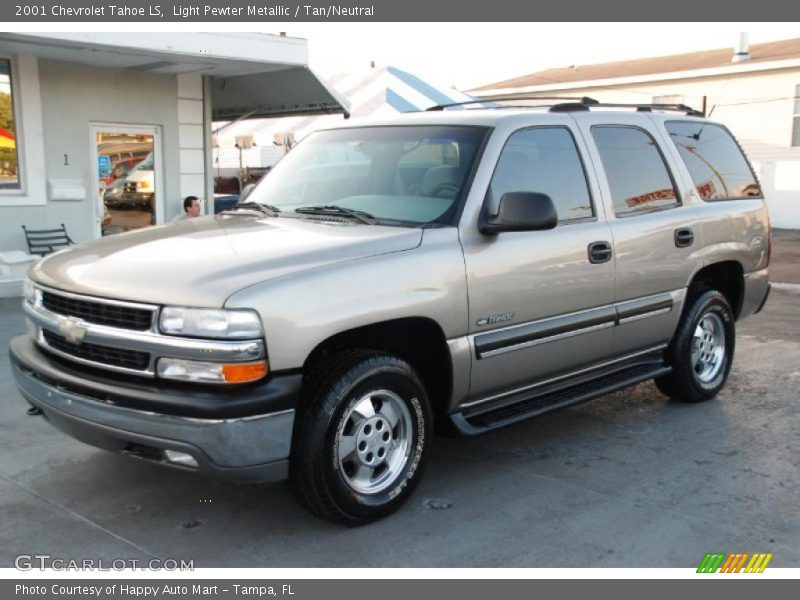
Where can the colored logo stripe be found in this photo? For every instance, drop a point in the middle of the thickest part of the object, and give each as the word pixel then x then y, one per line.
pixel 734 563
pixel 758 563
pixel 711 562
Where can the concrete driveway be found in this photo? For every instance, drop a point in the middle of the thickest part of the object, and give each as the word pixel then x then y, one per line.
pixel 630 480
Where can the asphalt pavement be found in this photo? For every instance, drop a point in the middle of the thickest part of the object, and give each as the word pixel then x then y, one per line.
pixel 629 480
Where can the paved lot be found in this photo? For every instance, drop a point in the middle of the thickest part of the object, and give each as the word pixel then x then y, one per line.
pixel 630 480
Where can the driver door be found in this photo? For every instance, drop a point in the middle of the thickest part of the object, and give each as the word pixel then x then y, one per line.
pixel 540 302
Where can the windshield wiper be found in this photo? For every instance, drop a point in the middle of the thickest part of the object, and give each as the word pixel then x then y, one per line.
pixel 332 209
pixel 267 209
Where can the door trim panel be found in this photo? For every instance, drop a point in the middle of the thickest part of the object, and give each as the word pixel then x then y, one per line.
pixel 542 331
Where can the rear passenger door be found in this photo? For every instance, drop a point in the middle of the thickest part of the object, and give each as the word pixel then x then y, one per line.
pixel 654 234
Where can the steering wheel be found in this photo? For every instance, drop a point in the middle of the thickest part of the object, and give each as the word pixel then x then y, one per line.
pixel 444 190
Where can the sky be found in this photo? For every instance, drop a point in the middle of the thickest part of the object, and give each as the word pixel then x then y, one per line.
pixel 466 55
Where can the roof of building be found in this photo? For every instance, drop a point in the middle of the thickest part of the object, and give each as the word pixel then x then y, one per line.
pixel 768 52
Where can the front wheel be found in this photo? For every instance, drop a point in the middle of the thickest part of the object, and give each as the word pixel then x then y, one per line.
pixel 361 437
pixel 701 353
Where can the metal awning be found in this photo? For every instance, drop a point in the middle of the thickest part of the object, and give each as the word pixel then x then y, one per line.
pixel 251 74
pixel 286 92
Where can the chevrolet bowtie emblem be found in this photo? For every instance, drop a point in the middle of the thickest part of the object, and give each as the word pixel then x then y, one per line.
pixel 72 329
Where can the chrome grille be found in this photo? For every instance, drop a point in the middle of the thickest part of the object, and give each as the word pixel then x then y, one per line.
pixel 112 315
pixel 105 355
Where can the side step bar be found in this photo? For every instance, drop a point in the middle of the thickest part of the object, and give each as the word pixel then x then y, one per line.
pixel 534 405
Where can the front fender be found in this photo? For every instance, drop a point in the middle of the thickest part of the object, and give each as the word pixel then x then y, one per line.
pixel 301 310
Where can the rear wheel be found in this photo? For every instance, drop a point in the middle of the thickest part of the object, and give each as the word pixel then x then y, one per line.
pixel 701 353
pixel 361 438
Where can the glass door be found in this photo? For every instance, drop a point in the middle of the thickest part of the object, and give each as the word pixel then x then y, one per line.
pixel 127 177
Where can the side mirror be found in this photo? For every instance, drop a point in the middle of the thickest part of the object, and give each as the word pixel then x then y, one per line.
pixel 520 211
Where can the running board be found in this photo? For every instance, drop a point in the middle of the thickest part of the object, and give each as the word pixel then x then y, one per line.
pixel 537 404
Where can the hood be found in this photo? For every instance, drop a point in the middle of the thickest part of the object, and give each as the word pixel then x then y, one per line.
pixel 202 261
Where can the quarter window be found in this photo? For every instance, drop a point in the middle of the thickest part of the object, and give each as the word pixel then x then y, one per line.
pixel 718 168
pixel 635 169
pixel 9 164
pixel 544 160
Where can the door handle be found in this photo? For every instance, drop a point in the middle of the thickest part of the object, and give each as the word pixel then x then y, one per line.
pixel 599 252
pixel 684 237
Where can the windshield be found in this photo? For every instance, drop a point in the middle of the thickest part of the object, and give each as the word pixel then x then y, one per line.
pixel 400 175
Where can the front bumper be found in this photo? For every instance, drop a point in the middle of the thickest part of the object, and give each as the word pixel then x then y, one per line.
pixel 252 448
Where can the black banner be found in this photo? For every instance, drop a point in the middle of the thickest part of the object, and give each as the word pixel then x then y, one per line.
pixel 39 11
pixel 396 589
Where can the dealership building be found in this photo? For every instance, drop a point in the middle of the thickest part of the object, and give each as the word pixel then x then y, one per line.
pixel 106 132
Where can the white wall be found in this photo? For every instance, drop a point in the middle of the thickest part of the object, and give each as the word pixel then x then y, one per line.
pixel 70 98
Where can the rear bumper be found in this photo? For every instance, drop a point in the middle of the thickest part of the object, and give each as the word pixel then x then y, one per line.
pixel 756 291
pixel 252 448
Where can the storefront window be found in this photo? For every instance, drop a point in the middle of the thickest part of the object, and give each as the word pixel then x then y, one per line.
pixel 9 165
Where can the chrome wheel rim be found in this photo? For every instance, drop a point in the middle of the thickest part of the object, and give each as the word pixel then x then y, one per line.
pixel 708 347
pixel 373 442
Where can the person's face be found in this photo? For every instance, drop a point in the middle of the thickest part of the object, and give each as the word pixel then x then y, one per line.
pixel 194 209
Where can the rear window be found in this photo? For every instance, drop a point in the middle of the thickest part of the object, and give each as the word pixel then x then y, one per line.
pixel 718 168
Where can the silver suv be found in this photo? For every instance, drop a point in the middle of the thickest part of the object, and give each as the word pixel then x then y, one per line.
pixel 469 268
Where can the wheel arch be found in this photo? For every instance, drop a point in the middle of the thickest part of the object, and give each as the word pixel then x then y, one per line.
pixel 420 341
pixel 725 276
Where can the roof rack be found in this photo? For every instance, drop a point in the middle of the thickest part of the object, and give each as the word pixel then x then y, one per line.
pixel 582 100
pixel 572 104
pixel 576 106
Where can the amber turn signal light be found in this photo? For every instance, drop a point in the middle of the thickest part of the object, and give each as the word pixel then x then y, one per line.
pixel 244 372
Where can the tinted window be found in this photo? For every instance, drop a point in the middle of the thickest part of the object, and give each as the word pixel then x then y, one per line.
pixel 544 160
pixel 636 172
pixel 715 162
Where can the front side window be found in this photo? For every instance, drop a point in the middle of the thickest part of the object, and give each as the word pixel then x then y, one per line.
pixel 718 168
pixel 9 163
pixel 403 175
pixel 635 169
pixel 544 160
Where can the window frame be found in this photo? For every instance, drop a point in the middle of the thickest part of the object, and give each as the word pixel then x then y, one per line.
pixel 589 219
pixel 738 146
pixel 22 189
pixel 653 209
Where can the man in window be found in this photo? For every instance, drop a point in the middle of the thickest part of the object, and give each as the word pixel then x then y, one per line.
pixel 191 209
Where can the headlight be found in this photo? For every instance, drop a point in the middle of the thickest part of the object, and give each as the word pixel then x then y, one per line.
pixel 210 323
pixel 29 291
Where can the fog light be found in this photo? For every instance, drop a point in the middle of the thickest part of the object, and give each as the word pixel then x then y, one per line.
pixel 208 372
pixel 180 458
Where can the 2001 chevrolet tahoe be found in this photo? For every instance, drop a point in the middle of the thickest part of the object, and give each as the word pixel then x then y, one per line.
pixel 469 267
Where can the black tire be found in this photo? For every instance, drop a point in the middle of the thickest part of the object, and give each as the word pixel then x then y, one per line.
pixel 322 474
pixel 694 380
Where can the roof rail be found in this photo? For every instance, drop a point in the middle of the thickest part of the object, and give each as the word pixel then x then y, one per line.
pixel 576 106
pixel 583 100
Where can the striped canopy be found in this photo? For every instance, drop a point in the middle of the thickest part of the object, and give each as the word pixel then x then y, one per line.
pixel 378 92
